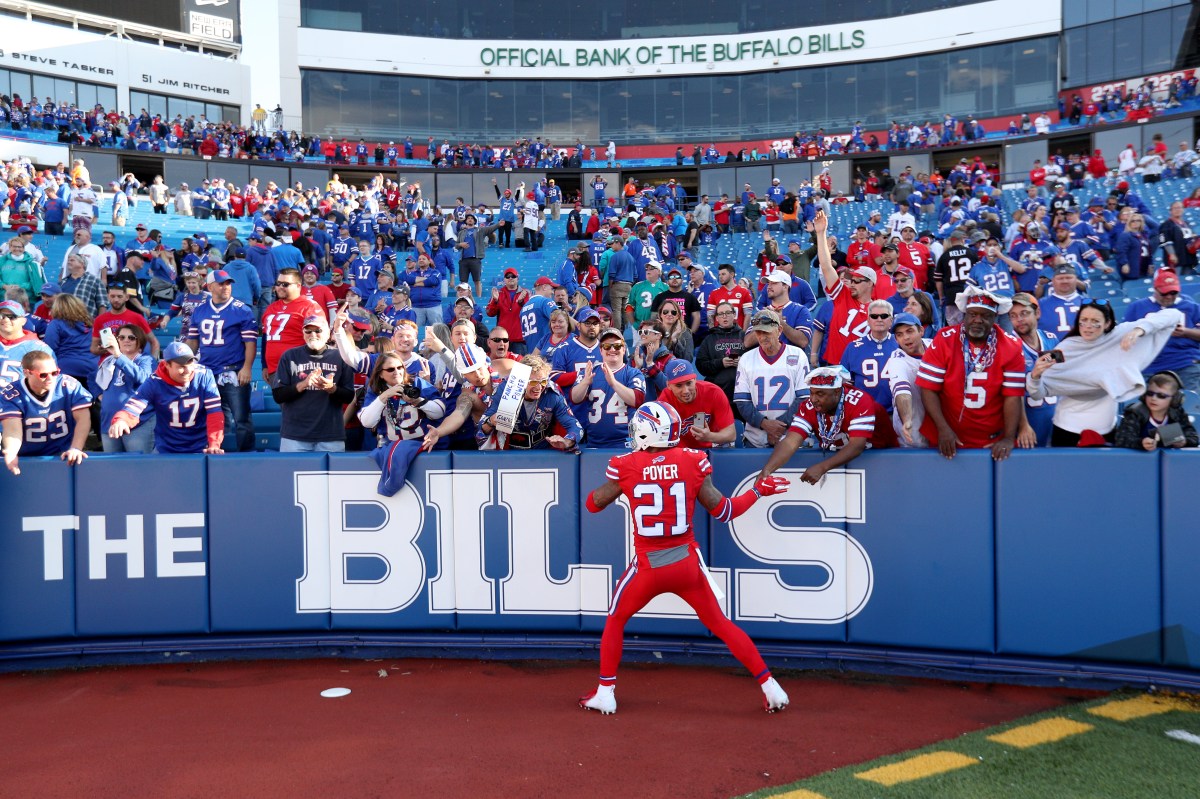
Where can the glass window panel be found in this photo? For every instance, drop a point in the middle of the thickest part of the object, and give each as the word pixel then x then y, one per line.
pixel 640 124
pixel 726 119
pixel 1155 5
pixel 443 106
pixel 753 104
pixel 64 91
pixel 4 86
pixel 781 98
pixel 1124 8
pixel 87 97
pixel 107 97
pixel 1074 13
pixel 871 94
pixel 43 87
pixel 810 98
pixel 501 105
pixel 414 104
pixel 1158 42
pixel 1100 41
pixel 585 106
pixel 614 109
pixel 1099 10
pixel 668 107
pixel 472 108
pixel 901 90
pixel 1127 49
pixel 21 85
pixel 1076 57
pixel 527 111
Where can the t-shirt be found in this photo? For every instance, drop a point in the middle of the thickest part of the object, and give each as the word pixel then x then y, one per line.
pixel 313 416
pixel 1058 313
pixel 916 257
pixel 860 417
pixel 710 401
pixel 972 402
pixel 47 424
pixel 113 321
pixel 535 320
pixel 661 487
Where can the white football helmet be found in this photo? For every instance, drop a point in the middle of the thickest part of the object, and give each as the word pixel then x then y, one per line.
pixel 655 424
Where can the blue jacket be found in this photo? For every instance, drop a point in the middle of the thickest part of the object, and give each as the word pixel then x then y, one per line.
pixel 264 264
pixel 428 295
pixel 536 425
pixel 246 284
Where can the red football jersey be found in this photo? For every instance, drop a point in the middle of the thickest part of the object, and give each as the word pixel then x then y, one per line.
pixel 916 257
pixel 972 403
pixel 862 253
pixel 661 487
pixel 283 326
pixel 848 323
pixel 862 417
pixel 321 295
pixel 738 296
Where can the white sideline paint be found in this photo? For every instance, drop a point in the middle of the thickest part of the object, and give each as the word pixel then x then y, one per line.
pixel 1184 735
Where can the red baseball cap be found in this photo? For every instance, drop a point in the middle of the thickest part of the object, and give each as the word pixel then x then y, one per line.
pixel 1166 281
pixel 543 281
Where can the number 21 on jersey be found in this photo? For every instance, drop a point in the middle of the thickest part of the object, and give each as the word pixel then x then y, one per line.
pixel 653 499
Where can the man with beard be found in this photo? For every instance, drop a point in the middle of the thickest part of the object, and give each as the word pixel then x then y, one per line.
pixel 900 372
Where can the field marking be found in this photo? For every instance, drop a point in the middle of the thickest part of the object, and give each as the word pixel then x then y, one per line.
pixel 1184 735
pixel 918 767
pixel 1040 732
pixel 799 793
pixel 1140 707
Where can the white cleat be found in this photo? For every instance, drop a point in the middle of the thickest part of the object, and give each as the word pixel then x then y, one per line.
pixel 774 697
pixel 604 699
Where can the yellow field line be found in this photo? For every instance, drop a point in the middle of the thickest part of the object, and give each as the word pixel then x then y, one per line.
pixel 1040 732
pixel 1141 706
pixel 918 767
pixel 799 793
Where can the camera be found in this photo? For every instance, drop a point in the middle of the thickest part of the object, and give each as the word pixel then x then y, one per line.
pixel 411 391
pixel 1056 356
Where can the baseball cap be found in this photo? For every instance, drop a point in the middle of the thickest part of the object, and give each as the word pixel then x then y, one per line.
pixel 1164 281
pixel 889 246
pixel 337 270
pixel 50 289
pixel 1064 269
pixel 400 287
pixel 140 226
pixel 865 271
pixel 766 319
pixel 611 332
pixel 511 273
pixel 220 276
pixel 178 352
pixel 543 281
pixel 905 319
pixel 1026 299
pixel 587 314
pixel 463 287
pixel 237 252
pixel 316 320
pixel 12 307
pixel 467 300
pixel 470 358
pixel 256 237
pixel 23 229
pixel 360 322
pixel 679 371
pixel 673 271
pixel 779 277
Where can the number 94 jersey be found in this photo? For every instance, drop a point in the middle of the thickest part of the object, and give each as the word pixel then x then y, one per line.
pixel 661 488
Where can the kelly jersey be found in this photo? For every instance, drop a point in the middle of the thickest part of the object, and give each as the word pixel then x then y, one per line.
pixel 181 412
pixel 972 402
pixel 661 487
pixel 848 323
pixel 283 327
pixel 865 359
pixel 604 415
pixel 993 277
pixel 47 425
pixel 222 333
pixel 900 374
pixel 770 385
pixel 535 320
pixel 953 270
pixel 11 353
pixel 858 417
pixel 1058 313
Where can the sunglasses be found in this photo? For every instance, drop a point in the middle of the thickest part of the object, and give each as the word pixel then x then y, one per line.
pixel 8 316
pixel 499 340
pixel 666 312
pixel 880 315
pixel 857 280
pixel 1097 303
pixel 612 347
pixel 545 381
pixel 126 338
pixel 648 331
pixel 284 284
pixel 1160 395
pixel 389 369
pixel 44 375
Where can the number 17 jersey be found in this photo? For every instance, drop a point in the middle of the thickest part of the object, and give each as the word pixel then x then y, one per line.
pixel 661 487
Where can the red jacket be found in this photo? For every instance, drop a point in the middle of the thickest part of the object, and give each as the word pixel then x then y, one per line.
pixel 506 307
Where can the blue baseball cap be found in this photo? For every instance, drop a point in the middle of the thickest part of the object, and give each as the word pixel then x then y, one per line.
pixel 220 276
pixel 587 314
pixel 679 371
pixel 12 307
pixel 179 352
pixel 50 289
pixel 906 319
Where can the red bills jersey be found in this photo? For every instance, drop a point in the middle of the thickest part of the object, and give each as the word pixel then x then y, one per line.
pixel 862 253
pixel 862 417
pixel 915 256
pixel 321 295
pixel 283 326
pixel 661 487
pixel 972 403
pixel 738 296
pixel 848 323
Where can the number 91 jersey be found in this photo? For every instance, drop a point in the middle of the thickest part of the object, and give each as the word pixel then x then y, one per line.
pixel 661 487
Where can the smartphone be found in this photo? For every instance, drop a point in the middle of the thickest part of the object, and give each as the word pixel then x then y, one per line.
pixel 107 339
pixel 1056 356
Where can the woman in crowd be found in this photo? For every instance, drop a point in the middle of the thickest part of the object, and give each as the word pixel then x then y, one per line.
pixel 1160 405
pixel 651 356
pixel 1101 365
pixel 19 268
pixel 717 357
pixel 676 335
pixel 397 405
pixel 920 305
pixel 1133 249
pixel 124 368
pixel 561 325
pixel 69 334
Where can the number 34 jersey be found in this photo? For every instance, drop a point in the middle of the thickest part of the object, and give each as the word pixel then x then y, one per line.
pixel 661 488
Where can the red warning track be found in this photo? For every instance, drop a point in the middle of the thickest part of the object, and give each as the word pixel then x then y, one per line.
pixel 460 728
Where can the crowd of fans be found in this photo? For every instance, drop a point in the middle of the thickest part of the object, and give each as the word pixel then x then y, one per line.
pixel 266 138
pixel 942 321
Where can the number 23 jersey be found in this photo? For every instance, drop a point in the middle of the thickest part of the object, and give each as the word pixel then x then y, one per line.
pixel 661 488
